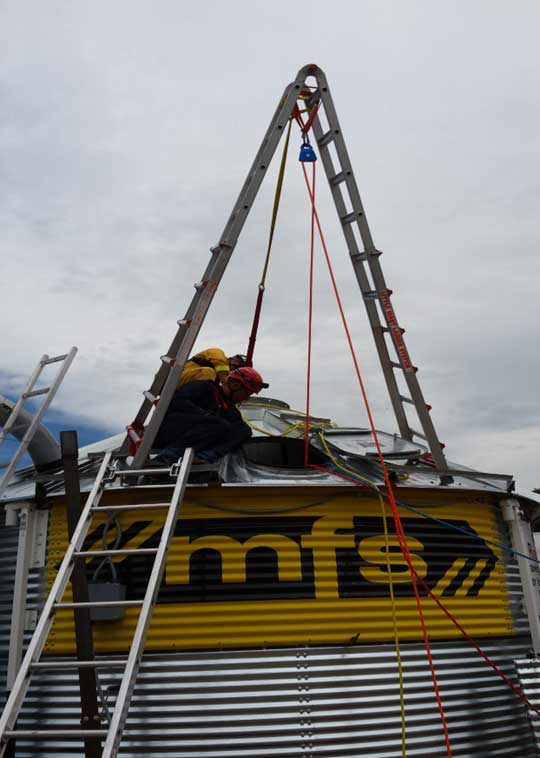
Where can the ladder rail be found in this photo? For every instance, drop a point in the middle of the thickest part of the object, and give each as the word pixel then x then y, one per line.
pixel 345 171
pixel 362 278
pixel 36 420
pixel 379 308
pixel 20 402
pixel 46 619
pixel 116 728
pixel 216 268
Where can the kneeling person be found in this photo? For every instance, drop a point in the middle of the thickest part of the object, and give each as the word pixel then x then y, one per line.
pixel 203 415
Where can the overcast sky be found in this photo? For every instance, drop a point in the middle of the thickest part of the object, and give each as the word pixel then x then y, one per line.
pixel 127 131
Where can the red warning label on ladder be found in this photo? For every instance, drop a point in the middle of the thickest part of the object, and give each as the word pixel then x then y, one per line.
pixel 397 334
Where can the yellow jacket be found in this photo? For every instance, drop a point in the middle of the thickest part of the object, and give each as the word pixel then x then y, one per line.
pixel 211 364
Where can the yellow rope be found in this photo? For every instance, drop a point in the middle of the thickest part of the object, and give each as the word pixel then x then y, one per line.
pixel 396 634
pixel 275 209
pixel 289 429
pixel 392 595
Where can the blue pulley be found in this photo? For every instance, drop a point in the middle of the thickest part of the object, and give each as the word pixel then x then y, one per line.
pixel 307 153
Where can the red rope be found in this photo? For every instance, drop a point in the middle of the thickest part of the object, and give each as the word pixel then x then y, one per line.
pixel 444 609
pixel 397 520
pixel 310 322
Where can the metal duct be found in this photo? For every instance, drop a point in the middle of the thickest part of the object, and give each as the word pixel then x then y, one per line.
pixel 43 448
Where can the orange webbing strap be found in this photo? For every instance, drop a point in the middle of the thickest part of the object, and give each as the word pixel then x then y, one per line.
pixel 397 520
pixel 260 294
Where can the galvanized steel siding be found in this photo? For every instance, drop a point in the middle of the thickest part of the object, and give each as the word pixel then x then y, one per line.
pixel 9 536
pixel 324 702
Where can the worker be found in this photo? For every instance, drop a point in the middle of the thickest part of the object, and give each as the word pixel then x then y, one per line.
pixel 210 365
pixel 203 415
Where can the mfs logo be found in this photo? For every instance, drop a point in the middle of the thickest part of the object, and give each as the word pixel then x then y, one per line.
pixel 323 557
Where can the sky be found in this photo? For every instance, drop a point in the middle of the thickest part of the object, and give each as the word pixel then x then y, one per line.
pixel 127 130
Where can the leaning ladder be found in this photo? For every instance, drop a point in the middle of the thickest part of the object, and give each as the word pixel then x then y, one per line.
pixel 365 261
pixel 47 393
pixel 113 735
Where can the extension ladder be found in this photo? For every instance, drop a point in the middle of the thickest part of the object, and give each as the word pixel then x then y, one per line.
pixel 31 662
pixel 47 393
pixel 375 293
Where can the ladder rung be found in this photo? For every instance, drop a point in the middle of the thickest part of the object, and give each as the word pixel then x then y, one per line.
pixel 141 471
pixel 395 365
pixel 150 397
pixel 54 359
pixel 359 256
pixel 406 399
pixel 418 434
pixel 326 138
pixel 121 508
pixel 338 178
pixel 42 734
pixel 120 551
pixel 78 664
pixel 34 393
pixel 371 295
pixel 364 255
pixel 350 217
pixel 313 99
pixel 99 604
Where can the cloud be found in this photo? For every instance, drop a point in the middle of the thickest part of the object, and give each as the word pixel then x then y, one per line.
pixel 127 134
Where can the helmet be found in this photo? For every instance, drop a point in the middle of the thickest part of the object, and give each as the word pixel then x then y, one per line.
pixel 248 378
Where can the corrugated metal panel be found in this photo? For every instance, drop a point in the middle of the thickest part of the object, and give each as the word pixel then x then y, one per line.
pixel 9 536
pixel 529 680
pixel 291 567
pixel 324 702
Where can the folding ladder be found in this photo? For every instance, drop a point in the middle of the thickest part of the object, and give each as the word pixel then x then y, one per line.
pixel 375 293
pixel 47 393
pixel 31 662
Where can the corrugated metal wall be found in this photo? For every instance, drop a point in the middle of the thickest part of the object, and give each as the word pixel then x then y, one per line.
pixel 326 702
pixel 9 536
pixel 261 567
pixel 309 701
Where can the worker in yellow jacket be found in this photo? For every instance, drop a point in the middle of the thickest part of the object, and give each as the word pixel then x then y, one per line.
pixel 210 365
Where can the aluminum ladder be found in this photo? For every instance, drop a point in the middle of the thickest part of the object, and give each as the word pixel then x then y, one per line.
pixel 47 393
pixel 365 260
pixel 31 662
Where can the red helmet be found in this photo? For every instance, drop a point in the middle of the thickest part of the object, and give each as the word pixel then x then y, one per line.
pixel 248 378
